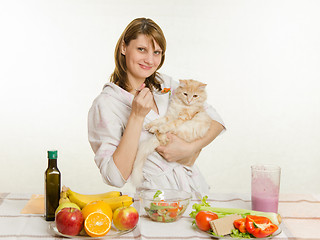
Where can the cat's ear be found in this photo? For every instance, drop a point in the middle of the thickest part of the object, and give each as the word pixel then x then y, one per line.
pixel 183 83
pixel 202 86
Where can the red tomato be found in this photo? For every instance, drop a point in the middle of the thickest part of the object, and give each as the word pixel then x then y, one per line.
pixel 203 218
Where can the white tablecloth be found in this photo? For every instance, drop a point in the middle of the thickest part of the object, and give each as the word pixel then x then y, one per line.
pixel 300 213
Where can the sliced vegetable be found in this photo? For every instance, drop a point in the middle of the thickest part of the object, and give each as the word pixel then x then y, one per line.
pixel 259 226
pixel 240 224
pixel 221 212
pixel 203 219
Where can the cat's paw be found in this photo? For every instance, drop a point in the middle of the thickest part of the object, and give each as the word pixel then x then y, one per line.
pixel 163 139
pixel 163 129
pixel 147 126
pixel 153 129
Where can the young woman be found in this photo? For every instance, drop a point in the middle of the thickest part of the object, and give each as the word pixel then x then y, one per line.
pixel 130 100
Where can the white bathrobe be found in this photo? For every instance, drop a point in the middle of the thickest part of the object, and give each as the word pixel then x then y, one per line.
pixel 107 121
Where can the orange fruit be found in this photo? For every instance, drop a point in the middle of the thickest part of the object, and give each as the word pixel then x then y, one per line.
pixel 97 206
pixel 97 224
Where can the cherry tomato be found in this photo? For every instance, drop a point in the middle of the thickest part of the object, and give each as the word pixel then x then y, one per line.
pixel 203 218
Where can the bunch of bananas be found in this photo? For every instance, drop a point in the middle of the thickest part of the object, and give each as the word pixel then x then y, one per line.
pixel 115 199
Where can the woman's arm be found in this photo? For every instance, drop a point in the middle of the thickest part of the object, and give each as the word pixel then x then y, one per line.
pixel 125 153
pixel 184 152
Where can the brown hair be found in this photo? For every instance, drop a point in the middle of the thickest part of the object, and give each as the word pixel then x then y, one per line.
pixel 138 26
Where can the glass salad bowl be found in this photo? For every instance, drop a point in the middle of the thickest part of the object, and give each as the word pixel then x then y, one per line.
pixel 167 205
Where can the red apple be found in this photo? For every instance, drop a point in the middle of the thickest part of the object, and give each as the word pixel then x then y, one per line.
pixel 125 218
pixel 69 221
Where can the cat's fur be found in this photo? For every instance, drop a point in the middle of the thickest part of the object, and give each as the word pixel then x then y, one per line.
pixel 186 118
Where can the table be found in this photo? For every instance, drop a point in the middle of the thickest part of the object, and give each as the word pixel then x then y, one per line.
pixel 300 214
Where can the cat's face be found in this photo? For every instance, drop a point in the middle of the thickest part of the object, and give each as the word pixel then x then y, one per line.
pixel 191 92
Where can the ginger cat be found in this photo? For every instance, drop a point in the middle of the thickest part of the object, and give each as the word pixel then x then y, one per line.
pixel 186 118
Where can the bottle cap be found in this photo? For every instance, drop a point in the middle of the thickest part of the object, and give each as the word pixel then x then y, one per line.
pixel 53 154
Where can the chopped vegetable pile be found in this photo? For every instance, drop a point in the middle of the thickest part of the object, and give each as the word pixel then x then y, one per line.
pixel 162 211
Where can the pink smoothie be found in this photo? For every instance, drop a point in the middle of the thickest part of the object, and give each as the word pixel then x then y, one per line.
pixel 265 204
pixel 265 191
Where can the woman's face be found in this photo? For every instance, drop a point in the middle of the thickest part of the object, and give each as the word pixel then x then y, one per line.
pixel 143 56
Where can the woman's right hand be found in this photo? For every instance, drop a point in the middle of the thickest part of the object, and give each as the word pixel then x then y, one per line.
pixel 142 102
pixel 126 151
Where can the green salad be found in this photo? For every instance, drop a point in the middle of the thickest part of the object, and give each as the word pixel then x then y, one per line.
pixel 162 211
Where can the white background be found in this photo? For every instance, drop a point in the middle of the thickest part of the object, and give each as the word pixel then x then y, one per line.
pixel 260 59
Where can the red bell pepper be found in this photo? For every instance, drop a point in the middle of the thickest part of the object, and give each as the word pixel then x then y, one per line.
pixel 240 224
pixel 260 226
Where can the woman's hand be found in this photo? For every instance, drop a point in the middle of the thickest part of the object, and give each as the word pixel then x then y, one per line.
pixel 178 150
pixel 142 102
pixel 126 151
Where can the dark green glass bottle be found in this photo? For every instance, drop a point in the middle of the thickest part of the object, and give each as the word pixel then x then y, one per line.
pixel 52 181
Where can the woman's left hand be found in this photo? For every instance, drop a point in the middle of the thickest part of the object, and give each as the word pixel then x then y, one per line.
pixel 178 150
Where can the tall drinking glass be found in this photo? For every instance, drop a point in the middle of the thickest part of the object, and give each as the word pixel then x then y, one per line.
pixel 265 185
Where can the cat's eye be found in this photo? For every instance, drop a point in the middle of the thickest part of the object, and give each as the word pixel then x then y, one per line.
pixel 186 94
pixel 195 95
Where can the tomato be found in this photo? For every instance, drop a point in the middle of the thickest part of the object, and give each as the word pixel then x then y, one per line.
pixel 203 218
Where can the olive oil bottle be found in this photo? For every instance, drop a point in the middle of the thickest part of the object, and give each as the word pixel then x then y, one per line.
pixel 52 186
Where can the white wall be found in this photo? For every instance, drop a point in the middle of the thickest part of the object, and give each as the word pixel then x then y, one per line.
pixel 260 58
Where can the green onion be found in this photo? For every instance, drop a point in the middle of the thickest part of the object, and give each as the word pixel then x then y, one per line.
pixel 221 212
pixel 157 194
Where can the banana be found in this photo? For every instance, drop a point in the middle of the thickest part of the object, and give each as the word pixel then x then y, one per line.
pixel 121 201
pixel 83 199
